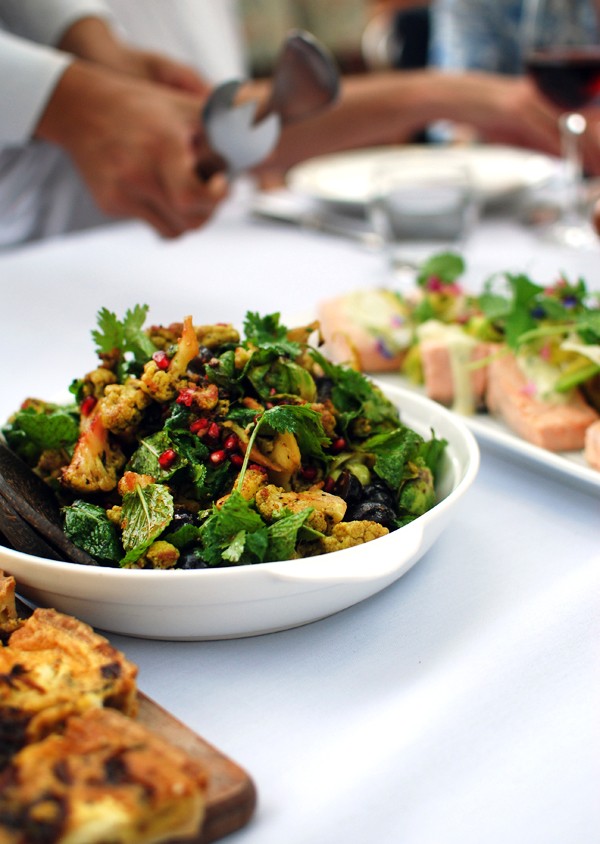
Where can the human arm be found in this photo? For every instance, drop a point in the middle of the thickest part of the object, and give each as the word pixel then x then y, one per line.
pixel 390 107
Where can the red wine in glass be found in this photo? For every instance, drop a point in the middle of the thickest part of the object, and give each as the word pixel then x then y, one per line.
pixel 568 78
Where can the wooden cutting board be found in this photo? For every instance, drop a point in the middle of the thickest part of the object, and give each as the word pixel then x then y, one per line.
pixel 231 796
pixel 231 793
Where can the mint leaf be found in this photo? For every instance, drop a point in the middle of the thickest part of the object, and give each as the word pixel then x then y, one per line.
pixel 88 527
pixel 145 460
pixel 41 427
pixel 283 535
pixel 147 511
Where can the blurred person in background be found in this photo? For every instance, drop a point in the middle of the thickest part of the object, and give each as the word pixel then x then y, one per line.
pixel 98 124
pixel 486 36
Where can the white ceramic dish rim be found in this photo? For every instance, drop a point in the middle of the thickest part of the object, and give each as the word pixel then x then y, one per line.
pixel 498 171
pixel 262 584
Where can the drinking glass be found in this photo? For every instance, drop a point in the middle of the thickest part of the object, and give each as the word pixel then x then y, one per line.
pixel 421 207
pixel 561 50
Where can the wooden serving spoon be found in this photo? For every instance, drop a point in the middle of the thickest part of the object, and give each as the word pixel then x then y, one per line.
pixel 31 514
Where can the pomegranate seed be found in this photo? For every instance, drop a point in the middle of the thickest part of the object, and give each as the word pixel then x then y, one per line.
pixel 185 397
pixel 328 485
pixel 167 458
pixel 236 460
pixel 87 405
pixel 161 359
pixel 256 467
pixel 338 445
pixel 309 473
pixel 214 431
pixel 218 457
pixel 199 426
pixel 231 442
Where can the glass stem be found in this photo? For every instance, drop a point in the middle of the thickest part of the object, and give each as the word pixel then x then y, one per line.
pixel 572 127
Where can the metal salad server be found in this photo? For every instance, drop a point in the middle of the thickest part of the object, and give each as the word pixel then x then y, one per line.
pixel 305 80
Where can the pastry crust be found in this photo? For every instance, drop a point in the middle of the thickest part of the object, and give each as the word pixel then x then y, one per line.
pixel 55 666
pixel 105 779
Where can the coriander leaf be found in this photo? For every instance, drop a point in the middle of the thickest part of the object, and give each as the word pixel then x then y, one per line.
pixel 147 511
pixel 269 334
pixel 88 527
pixel 303 422
pixel 126 336
pixel 355 396
pixel 136 339
pixel 445 266
pixel 110 334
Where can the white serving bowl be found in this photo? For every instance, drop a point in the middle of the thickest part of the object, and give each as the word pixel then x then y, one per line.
pixel 264 598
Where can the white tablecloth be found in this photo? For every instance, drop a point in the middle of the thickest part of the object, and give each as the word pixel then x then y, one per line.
pixel 459 705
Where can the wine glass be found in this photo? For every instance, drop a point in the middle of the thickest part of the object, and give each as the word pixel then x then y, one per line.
pixel 561 51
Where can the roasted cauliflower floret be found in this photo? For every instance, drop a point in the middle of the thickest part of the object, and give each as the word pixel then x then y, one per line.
pixel 96 463
pixel 253 480
pixel 219 334
pixel 328 510
pixel 347 534
pixel 122 406
pixel 96 381
pixel 161 555
pixel 328 420
pixel 131 480
pixel 164 384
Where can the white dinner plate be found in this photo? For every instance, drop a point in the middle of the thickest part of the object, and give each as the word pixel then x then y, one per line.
pixel 570 467
pixel 250 600
pixel 345 179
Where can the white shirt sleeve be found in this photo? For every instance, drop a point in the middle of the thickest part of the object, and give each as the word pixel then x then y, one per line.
pixel 45 21
pixel 29 65
pixel 29 73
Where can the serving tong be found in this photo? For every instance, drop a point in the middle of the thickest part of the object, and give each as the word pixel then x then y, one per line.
pixel 305 81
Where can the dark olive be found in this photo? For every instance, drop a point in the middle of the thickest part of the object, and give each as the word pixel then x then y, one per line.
pixel 380 493
pixel 348 487
pixel 182 516
pixel 198 364
pixel 191 560
pixel 372 511
pixel 324 388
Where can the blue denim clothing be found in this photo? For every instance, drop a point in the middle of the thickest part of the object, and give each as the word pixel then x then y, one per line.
pixel 488 34
pixel 476 35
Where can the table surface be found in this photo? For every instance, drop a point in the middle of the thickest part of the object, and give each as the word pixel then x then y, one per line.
pixel 458 705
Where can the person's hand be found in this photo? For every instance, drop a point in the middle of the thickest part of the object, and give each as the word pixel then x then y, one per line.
pixel 136 145
pixel 509 110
